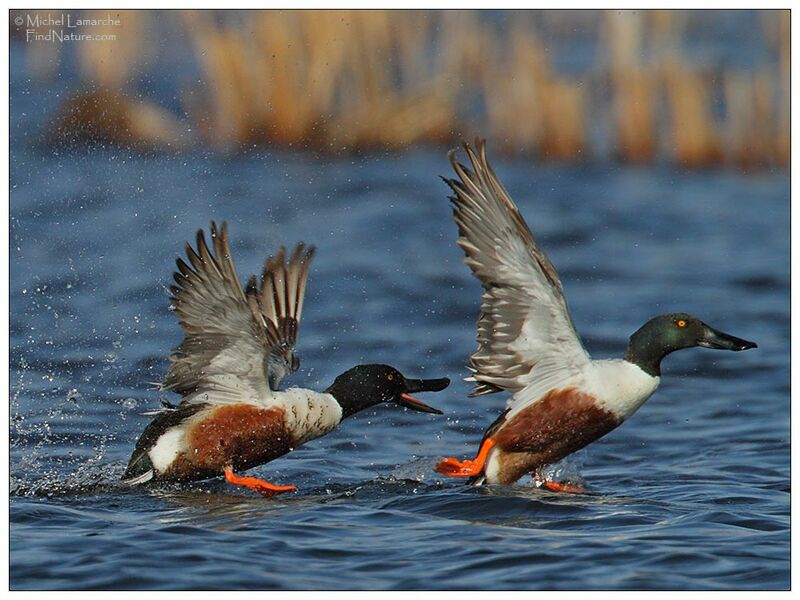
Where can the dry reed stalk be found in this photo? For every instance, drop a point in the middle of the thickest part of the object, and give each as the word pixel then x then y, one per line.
pixel 748 123
pixel 364 80
pixel 398 100
pixel 374 78
pixel 696 141
pixel 113 62
pixel 563 121
pixel 396 125
pixel 290 107
pixel 466 46
pixel 514 95
pixel 528 107
pixel 634 115
pixel 764 117
pixel 783 43
pixel 291 95
pixel 324 38
pixel 216 109
pixel 634 88
pixel 757 101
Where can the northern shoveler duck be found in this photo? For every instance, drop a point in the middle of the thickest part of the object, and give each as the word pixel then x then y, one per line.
pixel 238 347
pixel 561 399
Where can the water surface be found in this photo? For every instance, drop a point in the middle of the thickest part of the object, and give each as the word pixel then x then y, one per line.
pixel 691 493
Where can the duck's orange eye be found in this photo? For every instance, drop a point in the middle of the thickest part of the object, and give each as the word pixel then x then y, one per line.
pixel 390 376
pixel 681 323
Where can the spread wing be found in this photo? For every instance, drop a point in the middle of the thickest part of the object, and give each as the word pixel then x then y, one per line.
pixel 279 302
pixel 224 353
pixel 526 340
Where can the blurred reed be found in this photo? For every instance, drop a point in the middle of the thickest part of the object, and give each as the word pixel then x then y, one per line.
pixel 344 80
pixel 325 79
pixel 105 110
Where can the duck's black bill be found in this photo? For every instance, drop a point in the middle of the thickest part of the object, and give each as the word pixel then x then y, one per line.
pixel 722 341
pixel 426 385
pixel 422 385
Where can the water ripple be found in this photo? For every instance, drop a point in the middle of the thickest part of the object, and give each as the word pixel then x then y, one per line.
pixel 692 493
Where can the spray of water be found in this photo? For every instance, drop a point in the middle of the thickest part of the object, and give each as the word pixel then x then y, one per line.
pixel 47 463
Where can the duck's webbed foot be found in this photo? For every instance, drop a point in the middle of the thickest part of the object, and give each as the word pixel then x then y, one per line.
pixel 567 487
pixel 466 468
pixel 265 488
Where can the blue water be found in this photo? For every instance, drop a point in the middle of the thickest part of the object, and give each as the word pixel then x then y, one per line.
pixel 691 493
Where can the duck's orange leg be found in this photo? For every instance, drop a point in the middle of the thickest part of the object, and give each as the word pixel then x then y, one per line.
pixel 265 488
pixel 557 486
pixel 467 468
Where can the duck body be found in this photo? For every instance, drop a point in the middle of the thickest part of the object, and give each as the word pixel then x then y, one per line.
pixel 565 419
pixel 561 399
pixel 237 348
pixel 199 440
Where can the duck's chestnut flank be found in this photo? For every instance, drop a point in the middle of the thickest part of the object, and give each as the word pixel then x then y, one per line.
pixel 548 427
pixel 562 422
pixel 240 436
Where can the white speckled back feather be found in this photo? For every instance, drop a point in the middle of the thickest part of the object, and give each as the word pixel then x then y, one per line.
pixel 309 414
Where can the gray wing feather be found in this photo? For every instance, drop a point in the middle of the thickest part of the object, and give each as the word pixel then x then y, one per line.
pixel 524 320
pixel 279 300
pixel 225 344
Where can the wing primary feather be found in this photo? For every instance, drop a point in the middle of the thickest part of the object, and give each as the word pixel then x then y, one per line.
pixel 223 253
pixel 305 265
pixel 223 355
pixel 524 327
pixel 232 333
pixel 281 293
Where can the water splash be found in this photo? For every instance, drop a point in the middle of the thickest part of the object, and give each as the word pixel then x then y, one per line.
pixel 566 471
pixel 47 463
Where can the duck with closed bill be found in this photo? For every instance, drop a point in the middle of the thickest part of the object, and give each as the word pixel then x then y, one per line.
pixel 561 399
pixel 238 346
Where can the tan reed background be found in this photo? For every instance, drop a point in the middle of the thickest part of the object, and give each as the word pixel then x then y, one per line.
pixel 346 80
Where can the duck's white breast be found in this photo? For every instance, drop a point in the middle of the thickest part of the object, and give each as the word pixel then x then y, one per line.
pixel 309 414
pixel 619 386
